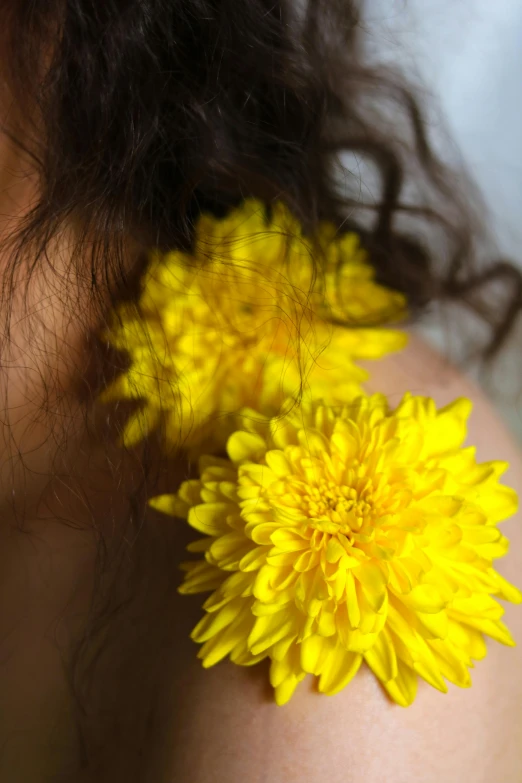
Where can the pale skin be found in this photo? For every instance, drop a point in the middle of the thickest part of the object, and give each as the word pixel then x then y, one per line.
pixel 222 724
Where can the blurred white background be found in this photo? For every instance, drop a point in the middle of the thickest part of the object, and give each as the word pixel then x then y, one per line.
pixel 468 53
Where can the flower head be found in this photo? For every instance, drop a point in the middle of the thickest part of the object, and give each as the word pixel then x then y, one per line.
pixel 337 536
pixel 247 320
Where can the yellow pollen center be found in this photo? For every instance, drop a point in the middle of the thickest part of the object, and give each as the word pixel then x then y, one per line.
pixel 254 328
pixel 336 509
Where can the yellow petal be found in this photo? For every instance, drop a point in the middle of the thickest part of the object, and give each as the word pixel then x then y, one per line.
pixel 284 650
pixel 211 624
pixel 403 688
pixel 352 602
pixel 424 598
pixel 288 540
pixel 337 671
pixel 222 644
pixel 278 463
pixel 284 597
pixel 434 625
pixel 372 578
pixel 507 591
pixel 241 655
pixel 200 577
pixel 245 446
pixel 447 430
pixel 139 425
pixel 480 534
pixel 200 545
pixel 469 640
pixel 269 630
pixel 210 518
pixel 498 503
pixel 451 663
pixel 254 559
pixel 426 666
pixel 233 586
pixel 228 550
pixel 285 691
pixel 314 651
pixel 484 606
pixel 190 492
pixel 326 623
pixel 311 587
pixel 496 629
pixel 171 505
pixel 279 672
pixel 381 658
pixel 360 642
pixel 334 551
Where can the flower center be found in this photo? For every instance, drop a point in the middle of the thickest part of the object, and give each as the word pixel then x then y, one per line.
pixel 336 509
pixel 251 326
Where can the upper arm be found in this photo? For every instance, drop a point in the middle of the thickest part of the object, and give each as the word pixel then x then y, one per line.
pixel 228 728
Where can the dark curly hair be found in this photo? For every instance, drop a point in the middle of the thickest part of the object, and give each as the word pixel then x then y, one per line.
pixel 145 112
pixel 139 114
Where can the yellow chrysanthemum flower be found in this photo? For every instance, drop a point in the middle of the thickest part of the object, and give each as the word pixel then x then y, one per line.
pixel 336 537
pixel 247 320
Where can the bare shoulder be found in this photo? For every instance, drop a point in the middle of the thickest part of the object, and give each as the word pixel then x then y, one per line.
pixel 232 730
pixel 420 369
